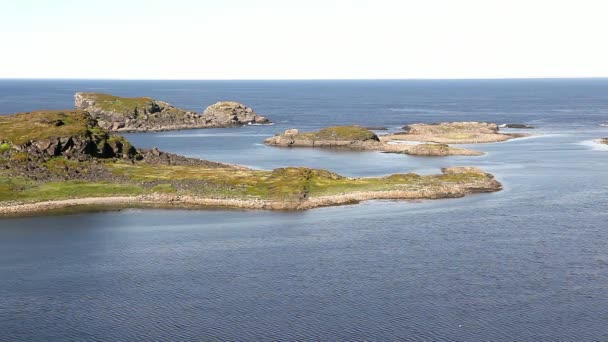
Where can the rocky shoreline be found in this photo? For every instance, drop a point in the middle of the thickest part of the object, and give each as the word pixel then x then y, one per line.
pixel 143 114
pixel 192 201
pixel 361 139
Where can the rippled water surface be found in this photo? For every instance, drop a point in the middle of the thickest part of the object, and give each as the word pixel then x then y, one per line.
pixel 527 263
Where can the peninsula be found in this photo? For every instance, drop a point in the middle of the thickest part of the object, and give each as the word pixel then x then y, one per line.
pixel 362 139
pixel 56 159
pixel 141 114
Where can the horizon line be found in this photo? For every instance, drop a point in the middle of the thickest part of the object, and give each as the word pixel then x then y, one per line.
pixel 302 79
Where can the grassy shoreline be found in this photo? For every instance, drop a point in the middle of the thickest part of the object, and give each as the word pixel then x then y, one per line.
pixel 171 201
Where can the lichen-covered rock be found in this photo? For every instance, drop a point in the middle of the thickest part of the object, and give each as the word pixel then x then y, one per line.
pixel 71 134
pixel 452 133
pixel 292 131
pixel 141 114
pixel 335 136
pixel 230 113
pixel 431 150
pixel 453 127
pixel 462 169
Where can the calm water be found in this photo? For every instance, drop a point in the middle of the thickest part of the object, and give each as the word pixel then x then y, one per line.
pixel 527 263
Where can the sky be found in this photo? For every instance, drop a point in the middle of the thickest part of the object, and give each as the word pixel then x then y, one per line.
pixel 309 39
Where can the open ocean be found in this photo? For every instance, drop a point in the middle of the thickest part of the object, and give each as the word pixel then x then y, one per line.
pixel 529 263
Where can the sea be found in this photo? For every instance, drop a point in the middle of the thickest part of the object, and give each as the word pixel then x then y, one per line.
pixel 528 263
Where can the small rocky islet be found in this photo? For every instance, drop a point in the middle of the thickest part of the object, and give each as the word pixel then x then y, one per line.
pixel 64 158
pixel 361 139
pixel 453 133
pixel 432 139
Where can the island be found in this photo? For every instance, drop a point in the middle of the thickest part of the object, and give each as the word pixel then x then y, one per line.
pixel 452 133
pixel 64 158
pixel 142 114
pixel 362 139
pixel 603 141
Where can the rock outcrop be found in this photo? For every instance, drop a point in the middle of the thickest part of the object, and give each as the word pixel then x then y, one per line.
pixel 141 114
pixel 71 134
pixel 452 133
pixel 232 114
pixel 359 138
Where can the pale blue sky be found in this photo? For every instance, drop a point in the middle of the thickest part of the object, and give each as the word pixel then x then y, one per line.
pixel 271 39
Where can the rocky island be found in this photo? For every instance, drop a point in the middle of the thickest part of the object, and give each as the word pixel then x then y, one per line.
pixel 57 159
pixel 603 141
pixel 362 139
pixel 141 114
pixel 452 133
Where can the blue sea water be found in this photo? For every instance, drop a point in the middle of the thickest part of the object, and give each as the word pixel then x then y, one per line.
pixel 527 263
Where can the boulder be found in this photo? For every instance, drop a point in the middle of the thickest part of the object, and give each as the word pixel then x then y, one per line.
pixel 292 131
pixel 231 113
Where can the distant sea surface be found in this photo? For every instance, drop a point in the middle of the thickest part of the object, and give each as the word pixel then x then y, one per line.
pixel 527 263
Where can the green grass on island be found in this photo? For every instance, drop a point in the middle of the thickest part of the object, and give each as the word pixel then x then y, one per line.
pixel 340 133
pixel 41 125
pixel 129 106
pixel 284 184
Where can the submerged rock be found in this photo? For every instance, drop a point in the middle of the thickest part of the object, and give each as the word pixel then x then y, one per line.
pixel 518 126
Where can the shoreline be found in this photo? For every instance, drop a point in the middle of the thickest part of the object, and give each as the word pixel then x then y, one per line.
pixel 126 202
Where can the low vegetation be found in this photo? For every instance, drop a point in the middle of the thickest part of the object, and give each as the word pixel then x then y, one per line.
pixel 345 133
pixel 129 106
pixel 41 125
pixel 284 184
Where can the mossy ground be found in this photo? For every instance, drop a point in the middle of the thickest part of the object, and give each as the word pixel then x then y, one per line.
pixel 340 133
pixel 24 190
pixel 284 184
pixel 23 127
pixel 119 104
pixel 5 147
pixel 129 106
